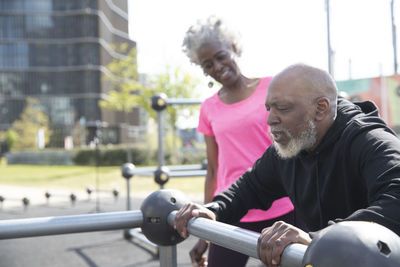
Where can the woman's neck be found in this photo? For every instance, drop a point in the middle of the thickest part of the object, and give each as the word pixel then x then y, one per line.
pixel 238 91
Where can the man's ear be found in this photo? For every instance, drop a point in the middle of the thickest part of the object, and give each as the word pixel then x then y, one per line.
pixel 323 108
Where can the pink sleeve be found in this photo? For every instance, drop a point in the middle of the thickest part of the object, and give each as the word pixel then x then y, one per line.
pixel 204 123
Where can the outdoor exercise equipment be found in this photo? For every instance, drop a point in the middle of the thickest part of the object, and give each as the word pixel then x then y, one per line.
pixel 128 171
pixel 343 244
pixel 159 102
pixel 161 173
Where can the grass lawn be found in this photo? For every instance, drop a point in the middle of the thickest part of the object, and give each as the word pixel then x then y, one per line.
pixel 80 177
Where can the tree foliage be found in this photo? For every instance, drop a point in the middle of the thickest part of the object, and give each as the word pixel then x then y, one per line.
pixel 31 120
pixel 127 92
pixel 123 78
pixel 175 83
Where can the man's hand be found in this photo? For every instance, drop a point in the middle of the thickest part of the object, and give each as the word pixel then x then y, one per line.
pixel 188 211
pixel 274 239
pixel 196 254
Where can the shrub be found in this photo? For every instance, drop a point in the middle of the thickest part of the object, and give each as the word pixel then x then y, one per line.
pixel 113 156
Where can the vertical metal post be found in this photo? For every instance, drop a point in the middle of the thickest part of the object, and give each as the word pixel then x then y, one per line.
pixel 167 256
pixel 128 195
pixel 328 26
pixel 160 142
pixel 394 36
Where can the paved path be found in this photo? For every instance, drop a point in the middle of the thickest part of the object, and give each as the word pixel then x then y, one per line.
pixel 95 249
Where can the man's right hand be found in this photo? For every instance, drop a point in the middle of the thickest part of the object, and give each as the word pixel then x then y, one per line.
pixel 196 254
pixel 188 211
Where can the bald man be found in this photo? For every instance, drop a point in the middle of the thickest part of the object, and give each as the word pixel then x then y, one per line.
pixel 335 160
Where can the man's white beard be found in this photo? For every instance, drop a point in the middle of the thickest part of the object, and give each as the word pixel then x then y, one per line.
pixel 305 140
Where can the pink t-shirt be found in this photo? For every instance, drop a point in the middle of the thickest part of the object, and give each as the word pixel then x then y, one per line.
pixel 242 135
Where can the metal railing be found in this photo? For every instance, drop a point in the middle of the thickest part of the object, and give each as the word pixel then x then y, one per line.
pixel 156 216
pixel 43 226
pixel 235 238
pixel 238 239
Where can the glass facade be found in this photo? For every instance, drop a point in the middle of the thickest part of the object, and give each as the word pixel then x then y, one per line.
pixel 52 50
pixel 48 55
pixel 14 27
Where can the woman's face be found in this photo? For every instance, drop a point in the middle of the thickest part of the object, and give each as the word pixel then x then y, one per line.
pixel 217 60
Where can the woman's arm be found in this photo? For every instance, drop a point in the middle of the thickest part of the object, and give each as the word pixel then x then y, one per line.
pixel 212 167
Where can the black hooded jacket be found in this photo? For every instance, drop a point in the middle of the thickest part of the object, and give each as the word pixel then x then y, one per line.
pixel 353 174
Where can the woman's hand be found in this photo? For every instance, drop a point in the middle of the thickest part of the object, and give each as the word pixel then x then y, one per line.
pixel 196 254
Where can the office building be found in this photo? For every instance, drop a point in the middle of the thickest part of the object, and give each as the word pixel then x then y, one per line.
pixel 57 51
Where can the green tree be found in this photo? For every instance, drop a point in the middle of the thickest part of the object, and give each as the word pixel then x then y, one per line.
pixel 31 120
pixel 127 92
pixel 123 79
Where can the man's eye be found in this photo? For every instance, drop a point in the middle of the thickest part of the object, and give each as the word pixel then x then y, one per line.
pixel 282 108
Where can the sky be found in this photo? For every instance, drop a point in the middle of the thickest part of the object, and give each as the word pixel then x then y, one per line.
pixel 275 34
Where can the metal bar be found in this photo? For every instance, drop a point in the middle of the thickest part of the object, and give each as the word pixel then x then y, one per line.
pixel 168 256
pixel 293 255
pixel 136 234
pixel 182 101
pixel 150 170
pixel 178 174
pixel 394 38
pixel 128 195
pixel 70 224
pixel 328 34
pixel 238 239
pixel 160 140
pixel 185 167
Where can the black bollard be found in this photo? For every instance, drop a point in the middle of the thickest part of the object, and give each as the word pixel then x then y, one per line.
pixel 73 198
pixel 89 191
pixel 1 201
pixel 115 193
pixel 47 195
pixel 25 202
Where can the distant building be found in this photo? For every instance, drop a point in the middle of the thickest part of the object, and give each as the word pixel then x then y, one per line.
pixel 57 51
pixel 384 91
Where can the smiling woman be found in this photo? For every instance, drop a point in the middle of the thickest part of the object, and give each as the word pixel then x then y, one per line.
pixel 233 122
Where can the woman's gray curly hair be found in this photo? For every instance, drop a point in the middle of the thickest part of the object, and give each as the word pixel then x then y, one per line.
pixel 211 29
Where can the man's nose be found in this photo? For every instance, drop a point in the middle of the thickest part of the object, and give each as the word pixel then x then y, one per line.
pixel 272 118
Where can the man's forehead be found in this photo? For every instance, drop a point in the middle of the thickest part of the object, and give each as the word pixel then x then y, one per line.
pixel 285 94
pixel 285 89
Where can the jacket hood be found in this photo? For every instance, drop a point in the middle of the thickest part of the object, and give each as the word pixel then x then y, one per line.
pixel 363 112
